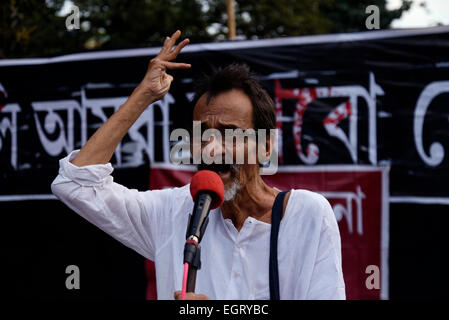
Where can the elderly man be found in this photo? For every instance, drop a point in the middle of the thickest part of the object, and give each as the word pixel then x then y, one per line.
pixel 236 245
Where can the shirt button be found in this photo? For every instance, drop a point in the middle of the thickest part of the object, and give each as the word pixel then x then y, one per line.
pixel 238 245
pixel 236 275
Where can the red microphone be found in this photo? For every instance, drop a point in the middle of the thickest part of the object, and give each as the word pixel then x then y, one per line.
pixel 207 192
pixel 206 180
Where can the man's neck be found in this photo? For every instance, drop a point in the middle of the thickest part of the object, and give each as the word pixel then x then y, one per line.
pixel 254 199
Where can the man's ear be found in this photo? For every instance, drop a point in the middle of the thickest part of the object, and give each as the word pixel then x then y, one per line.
pixel 269 158
pixel 270 143
pixel 264 148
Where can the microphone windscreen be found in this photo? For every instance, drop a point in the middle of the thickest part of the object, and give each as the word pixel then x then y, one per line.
pixel 206 180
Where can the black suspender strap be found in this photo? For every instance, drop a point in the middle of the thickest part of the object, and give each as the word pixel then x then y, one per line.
pixel 276 216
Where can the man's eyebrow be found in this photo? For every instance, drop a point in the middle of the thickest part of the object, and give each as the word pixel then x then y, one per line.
pixel 205 126
pixel 227 126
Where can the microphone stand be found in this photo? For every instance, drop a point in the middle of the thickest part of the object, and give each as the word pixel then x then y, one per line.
pixel 192 249
pixel 193 267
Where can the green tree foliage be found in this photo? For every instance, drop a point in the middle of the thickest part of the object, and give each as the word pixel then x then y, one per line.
pixel 36 28
pixel 257 19
pixel 28 27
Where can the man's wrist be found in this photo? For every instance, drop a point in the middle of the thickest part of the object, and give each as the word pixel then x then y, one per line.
pixel 142 97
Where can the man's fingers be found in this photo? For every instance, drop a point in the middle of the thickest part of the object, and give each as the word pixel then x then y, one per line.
pixel 170 42
pixel 167 51
pixel 168 77
pixel 174 37
pixel 194 296
pixel 175 65
pixel 191 296
pixel 162 64
pixel 165 47
pixel 178 48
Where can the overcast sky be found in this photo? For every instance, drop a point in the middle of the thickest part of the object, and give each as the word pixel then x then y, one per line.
pixel 434 12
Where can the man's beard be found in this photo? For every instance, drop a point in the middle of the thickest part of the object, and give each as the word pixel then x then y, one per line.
pixel 231 192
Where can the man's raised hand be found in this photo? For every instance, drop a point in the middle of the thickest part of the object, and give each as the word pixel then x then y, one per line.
pixel 156 82
pixel 100 147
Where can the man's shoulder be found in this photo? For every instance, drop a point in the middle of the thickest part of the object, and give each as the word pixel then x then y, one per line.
pixel 308 204
pixel 307 197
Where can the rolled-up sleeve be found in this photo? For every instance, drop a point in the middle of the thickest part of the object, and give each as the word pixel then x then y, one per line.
pixel 127 215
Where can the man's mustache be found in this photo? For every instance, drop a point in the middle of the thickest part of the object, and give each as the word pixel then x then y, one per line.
pixel 215 167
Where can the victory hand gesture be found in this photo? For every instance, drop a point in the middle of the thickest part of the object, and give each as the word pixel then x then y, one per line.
pixel 156 82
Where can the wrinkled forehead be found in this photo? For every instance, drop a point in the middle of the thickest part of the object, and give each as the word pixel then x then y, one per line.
pixel 230 108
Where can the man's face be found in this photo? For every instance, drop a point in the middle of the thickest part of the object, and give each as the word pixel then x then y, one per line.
pixel 228 110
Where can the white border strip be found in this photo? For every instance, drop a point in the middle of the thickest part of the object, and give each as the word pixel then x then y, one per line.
pixel 335 167
pixel 25 197
pixel 172 166
pixel 232 45
pixel 385 236
pixel 420 200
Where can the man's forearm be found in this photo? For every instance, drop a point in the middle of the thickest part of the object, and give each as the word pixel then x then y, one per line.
pixel 100 147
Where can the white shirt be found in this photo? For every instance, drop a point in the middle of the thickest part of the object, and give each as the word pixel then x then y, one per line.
pixel 234 264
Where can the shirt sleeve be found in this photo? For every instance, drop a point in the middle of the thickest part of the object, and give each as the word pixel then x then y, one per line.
pixel 129 216
pixel 327 281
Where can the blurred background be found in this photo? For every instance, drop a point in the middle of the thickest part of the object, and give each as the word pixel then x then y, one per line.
pixel 32 28
pixel 363 115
